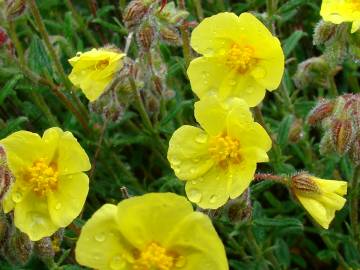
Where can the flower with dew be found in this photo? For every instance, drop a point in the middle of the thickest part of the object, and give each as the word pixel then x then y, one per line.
pixel 156 231
pixel 219 160
pixel 241 58
pixel 50 184
pixel 339 11
pixel 94 70
pixel 320 197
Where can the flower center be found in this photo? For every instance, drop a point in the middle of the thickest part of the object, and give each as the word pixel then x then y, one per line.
pixel 102 64
pixel 240 58
pixel 224 149
pixel 42 177
pixel 154 257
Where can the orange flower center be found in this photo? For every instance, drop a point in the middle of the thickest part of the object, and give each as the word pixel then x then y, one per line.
pixel 225 149
pixel 154 257
pixel 240 58
pixel 42 177
pixel 102 64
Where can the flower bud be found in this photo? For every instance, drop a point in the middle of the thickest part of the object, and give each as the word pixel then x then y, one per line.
pixel 6 177
pixel 44 249
pixel 134 13
pixel 324 32
pixel 158 84
pixel 170 35
pixel 326 146
pixel 146 36
pixel 303 182
pixel 322 110
pixel 342 135
pixel 15 8
pixel 296 131
pixel 3 36
pixel 171 14
pixel 19 248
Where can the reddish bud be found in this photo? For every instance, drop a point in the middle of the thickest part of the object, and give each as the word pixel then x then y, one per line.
pixel 170 35
pixel 146 36
pixel 15 8
pixel 342 135
pixel 296 131
pixel 303 182
pixel 3 36
pixel 134 13
pixel 322 110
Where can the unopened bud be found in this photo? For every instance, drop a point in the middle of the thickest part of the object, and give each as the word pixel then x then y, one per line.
pixel 342 135
pixel 134 13
pixel 146 35
pixel 158 84
pixel 296 132
pixel 171 14
pixel 44 249
pixel 322 110
pixel 15 8
pixel 303 182
pixel 6 177
pixel 170 35
pixel 324 32
pixel 326 146
pixel 169 94
pixel 152 104
pixel 19 248
pixel 3 36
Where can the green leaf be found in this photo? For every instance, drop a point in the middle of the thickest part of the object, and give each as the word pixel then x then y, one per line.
pixel 12 125
pixel 278 222
pixel 8 88
pixel 282 253
pixel 39 60
pixel 284 130
pixel 291 42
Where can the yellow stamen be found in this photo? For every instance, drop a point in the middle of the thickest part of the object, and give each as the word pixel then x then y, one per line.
pixel 154 257
pixel 225 149
pixel 240 58
pixel 42 177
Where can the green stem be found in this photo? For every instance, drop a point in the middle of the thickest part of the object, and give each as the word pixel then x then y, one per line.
pixel 199 9
pixel 271 6
pixel 16 41
pixel 185 38
pixel 221 5
pixel 98 148
pixel 80 21
pixel 354 205
pixel 333 88
pixel 41 103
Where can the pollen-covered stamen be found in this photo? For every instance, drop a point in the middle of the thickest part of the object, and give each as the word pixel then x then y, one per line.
pixel 240 58
pixel 102 64
pixel 42 177
pixel 154 257
pixel 224 149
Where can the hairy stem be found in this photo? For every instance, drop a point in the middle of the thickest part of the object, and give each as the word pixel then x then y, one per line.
pixel 354 205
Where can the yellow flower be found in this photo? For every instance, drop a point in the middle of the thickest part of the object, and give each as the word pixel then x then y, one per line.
pixel 218 161
pixel 154 231
pixel 339 11
pixel 321 198
pixel 50 187
pixel 240 58
pixel 94 70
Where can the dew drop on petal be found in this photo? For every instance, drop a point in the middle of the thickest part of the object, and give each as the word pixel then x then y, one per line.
pixel 17 196
pixel 201 138
pixel 259 73
pixel 100 237
pixel 213 199
pixel 58 206
pixel 195 195
pixel 232 82
pixel 193 182
pixel 175 161
pixel 180 262
pixel 117 262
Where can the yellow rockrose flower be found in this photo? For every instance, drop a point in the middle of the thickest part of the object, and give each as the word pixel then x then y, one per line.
pixel 94 70
pixel 339 11
pixel 321 198
pixel 154 231
pixel 50 187
pixel 219 160
pixel 240 58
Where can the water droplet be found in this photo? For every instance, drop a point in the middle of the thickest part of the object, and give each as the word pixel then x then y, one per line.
pixel 17 196
pixel 175 161
pixel 193 182
pixel 259 72
pixel 208 51
pixel 205 74
pixel 201 138
pixel 117 262
pixel 100 237
pixel 78 54
pixel 249 90
pixel 194 195
pixel 213 199
pixel 58 206
pixel 232 82
pixel 177 170
pixel 192 170
pixel 196 160
pixel 180 261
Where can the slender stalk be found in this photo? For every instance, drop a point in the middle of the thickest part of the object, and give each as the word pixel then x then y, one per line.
pixel 98 148
pixel 354 205
pixel 199 9
pixel 221 5
pixel 41 103
pixel 185 37
pixel 271 6
pixel 16 41
pixel 271 177
pixel 333 88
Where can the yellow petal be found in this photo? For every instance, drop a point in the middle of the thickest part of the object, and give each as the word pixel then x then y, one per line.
pixel 196 240
pixel 206 75
pixel 211 190
pixel 32 217
pixel 215 33
pixel 317 211
pixel 161 213
pixel 66 202
pixel 249 134
pixel 101 245
pixel 355 26
pixel 188 153
pixel 242 175
pixel 50 142
pixel 338 187
pixel 211 113
pixel 71 156
pixel 20 147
